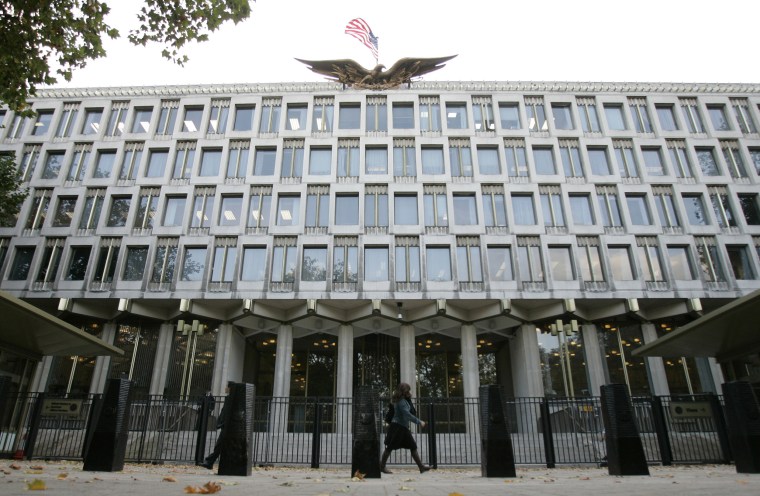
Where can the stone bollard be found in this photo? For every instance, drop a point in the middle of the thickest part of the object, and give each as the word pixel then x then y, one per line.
pixel 236 454
pixel 743 422
pixel 107 439
pixel 496 456
pixel 625 453
pixel 365 451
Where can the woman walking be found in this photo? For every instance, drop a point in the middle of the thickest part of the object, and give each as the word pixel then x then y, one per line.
pixel 399 436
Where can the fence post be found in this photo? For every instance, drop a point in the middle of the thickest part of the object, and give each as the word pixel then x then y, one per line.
pixel 546 424
pixel 206 406
pixel 720 427
pixel 432 442
pixel 34 426
pixel 316 435
pixel 144 433
pixel 661 429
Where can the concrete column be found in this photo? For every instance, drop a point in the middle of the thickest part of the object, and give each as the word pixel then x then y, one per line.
pixel 710 375
pixel 345 387
pixel 41 374
pixel 407 358
pixel 526 362
pixel 229 358
pixel 278 421
pixel 470 374
pixel 655 368
pixel 164 350
pixel 594 356
pixel 103 363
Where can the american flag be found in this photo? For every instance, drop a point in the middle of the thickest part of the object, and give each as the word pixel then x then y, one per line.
pixel 359 29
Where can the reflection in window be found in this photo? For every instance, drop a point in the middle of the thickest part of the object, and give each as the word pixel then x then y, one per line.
pixel 229 213
pixel 563 118
pixel 317 206
pixel 649 258
pixel 322 115
pixel 157 163
pixel 345 260
pixel 691 115
pixel 167 117
pixel 194 264
pixel 460 158
pixel 64 212
pixel 679 158
pixel 146 210
pixel 640 115
pixel 191 122
pixel 165 261
pixel 284 262
pixel 534 107
pixel 469 267
pixel 296 118
pixel 141 120
pixel 183 160
pixel 407 259
pixel 134 265
pixel 66 123
pixel 680 263
pixel 261 203
pixel 104 164
pixel 580 206
pixel 79 259
pixel 131 161
pixel 22 262
pixel 203 206
pixel 709 260
pixel 465 210
pixel 707 163
pixel 638 210
pixel 174 211
pixel 653 161
pixel 438 260
pixel 666 209
pixel 743 115
pixel 529 259
pixel 211 162
pixel 53 165
pixel 750 208
pixel 741 262
pixel 254 263
pixel 695 210
pixel 620 263
pixel 376 263
pixel 500 263
pixel 523 210
pixel 314 267
pixel 79 160
pixel 619 341
pixel 264 161
pixel 346 210
pixel 270 116
pixel 590 259
pixel 561 263
pixel 319 161
pixel 288 209
pixel 718 117
pixel 292 159
pixel 117 217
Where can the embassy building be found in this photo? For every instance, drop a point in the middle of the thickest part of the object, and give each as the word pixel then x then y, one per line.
pixel 309 239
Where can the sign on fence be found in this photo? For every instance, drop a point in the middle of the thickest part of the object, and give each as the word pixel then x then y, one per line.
pixel 690 409
pixel 62 408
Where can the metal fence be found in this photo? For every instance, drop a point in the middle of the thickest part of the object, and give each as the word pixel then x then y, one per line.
pixel 318 431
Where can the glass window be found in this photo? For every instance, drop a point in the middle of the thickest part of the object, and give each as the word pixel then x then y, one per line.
pixel 695 210
pixel 430 114
pixel 237 159
pixel 667 117
pixel 65 124
pixel 314 267
pixel 571 158
pixel 460 159
pixel 403 116
pixel 270 118
pixel 653 161
pixel 243 118
pixel 292 160
pixel 517 164
pixel 551 205
pixel 488 160
pixel 288 210
pixel 530 263
pixel 229 213
pixel 626 161
pixel 93 205
pixel 620 263
pixel 590 262
pixel 754 154
pixel 741 262
pixel 141 121
pixel 691 115
pixel 680 159
pixel 375 209
pixel 194 264
pixel 456 115
pixel 174 211
pixel 346 210
pixel 53 165
pixel 42 125
pixel 666 210
pixel 500 263
pixel 254 263
pixel 510 115
pixel 322 116
pixel 743 116
pixel 217 117
pixel 536 116
pixel 543 157
pixel 191 122
pixel 167 117
pixel 469 267
pixel 722 209
pixel 376 160
pixel 345 264
pixel 405 161
pixel 707 163
pixel 638 211
pixel 283 264
pixel 465 210
pixel 436 213
pixel 261 204
pixel 131 161
pixel 203 206
pixel 264 161
pixel 438 263
pixel 164 262
pixel 733 159
pixel 211 162
pixel 319 161
pixel 157 163
pixel 709 260
pixel 610 209
pixel 348 159
pixel 223 268
pixel 64 212
pixel 78 262
pixel 482 114
pixel 349 116
pixel 561 263
pixel 117 217
pixel 589 116
pixel 376 263
pixel 377 115
pixel 750 209
pixel 117 121
pixel 407 263
pixel 296 119
pixel 134 265
pixel 600 165
pixel 614 115
pixel 649 261
pixel 718 117
pixel 22 262
pixel 146 211
pixel 494 209
pixel 105 163
pixel 183 160
pixel 432 160
pixel 92 119
pixel 580 206
pixel 680 263
pixel 79 160
pixel 522 207
pixel 641 116
pixel 563 117
pixel 405 210
pixel 39 209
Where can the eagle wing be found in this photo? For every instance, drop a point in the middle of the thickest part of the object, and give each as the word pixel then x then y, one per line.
pixel 410 67
pixel 344 71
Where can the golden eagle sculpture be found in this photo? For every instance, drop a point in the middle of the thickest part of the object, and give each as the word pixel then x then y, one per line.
pixel 350 73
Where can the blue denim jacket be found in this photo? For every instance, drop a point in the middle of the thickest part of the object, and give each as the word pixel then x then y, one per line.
pixel 402 413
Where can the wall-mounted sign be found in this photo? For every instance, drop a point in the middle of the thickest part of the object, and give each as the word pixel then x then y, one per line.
pixel 689 409
pixel 61 407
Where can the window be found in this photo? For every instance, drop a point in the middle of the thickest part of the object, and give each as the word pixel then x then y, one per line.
pixel 667 117
pixel 438 263
pixel 666 209
pixel 130 163
pixel 42 125
pixel 707 163
pixel 561 263
pixel 695 210
pixel 157 163
pixel 456 115
pixel 141 120
pixel 680 263
pixel 405 210
pixel 322 115
pixel 376 263
pixel 217 117
pixel 270 115
pixel 162 271
pixel 93 205
pixel 640 115
pixel 146 211
pixel 743 116
pixel 183 160
pixel 319 161
pixel 376 160
pixel 522 208
pixel 469 266
pixel 288 210
pixel 117 216
pixel 551 206
pixel 488 160
pixel 482 113
pixel 346 210
pixel 261 204
pixel 580 206
pixel 563 117
pixel 254 263
pixel 436 214
pixel 264 161
pixel 430 113
pixel 117 121
pixel 404 159
pixel 314 266
pixel 225 255
pixel 649 259
pixel 638 210
pixel 174 211
pixel 296 118
pixel 203 206
pixel 292 159
pixel 571 158
pixel 229 213
pixel 709 260
pixel 51 258
pixel 211 161
pixel 614 115
pixel 237 159
pixel 16 127
pixel 460 157
pixel 500 263
pixel 534 107
pixel 741 262
pixel 543 158
pixel 53 164
pixel 403 115
pixel 514 154
pixel 589 259
pixel 609 206
pixel 243 118
pixel 432 160
pixel 22 262
pixel 375 206
pixel 494 206
pixel 134 265
pixel 653 161
pixel 509 113
pixel 754 154
pixel 620 263
pixel 529 259
pixel 600 164
pixel 3 241
pixel 626 161
pixel 718 117
pixel 691 115
pixel 349 116
pixel 465 210
pixel 79 259
pixel 348 158
pixel 38 212
pixel 345 260
pixel 79 160
pixel 167 117
pixel 66 123
pixel 679 158
pixel 191 122
pixel 733 158
pixel 750 209
pixel 377 114
pixel 589 116
pixel 106 265
pixel 64 211
pixel 721 207
pixel 104 164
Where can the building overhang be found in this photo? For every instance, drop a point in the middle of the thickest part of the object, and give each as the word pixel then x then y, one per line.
pixel 34 333
pixel 729 332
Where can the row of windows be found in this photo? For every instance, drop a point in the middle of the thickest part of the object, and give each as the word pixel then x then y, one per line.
pixel 478 114
pixel 490 207
pixel 568 159
pixel 588 261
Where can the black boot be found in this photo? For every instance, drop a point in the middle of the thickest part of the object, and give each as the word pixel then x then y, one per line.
pixel 416 458
pixel 386 455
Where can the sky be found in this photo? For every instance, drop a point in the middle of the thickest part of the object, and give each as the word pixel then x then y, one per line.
pixel 494 40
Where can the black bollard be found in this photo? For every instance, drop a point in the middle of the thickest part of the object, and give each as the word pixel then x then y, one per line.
pixel 236 455
pixel 365 452
pixel 496 456
pixel 625 452
pixel 107 443
pixel 743 422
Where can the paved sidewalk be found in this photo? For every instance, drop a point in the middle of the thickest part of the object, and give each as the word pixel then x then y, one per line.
pixel 68 479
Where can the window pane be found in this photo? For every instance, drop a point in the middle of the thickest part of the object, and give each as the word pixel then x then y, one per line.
pixel 615 120
pixel 465 211
pixel 211 161
pixel 105 164
pixel 561 263
pixel 510 116
pixel 254 264
pixel 157 163
pixel 500 263
pixel 718 117
pixel 405 210
pixel 194 265
pixel 314 266
pixel 403 116
pixel 522 207
pixel 230 211
pixel 580 206
pixel 296 119
pixel 119 212
pixel 347 210
pixel 562 116
pixel 376 160
pixel 192 120
pixel 544 160
pixel 667 117
pixel 432 160
pixel 264 165
pixel 456 115
pixel 175 211
pixel 679 263
pixel 637 209
pixel 141 122
pixel 349 117
pixel 243 118
pixel 653 161
pixel 488 160
pixel 620 263
pixel 319 161
pixel 599 164
pixel 288 211
pixel 80 259
pixel 438 264
pixel 707 162
pixel 695 210
pixel 376 264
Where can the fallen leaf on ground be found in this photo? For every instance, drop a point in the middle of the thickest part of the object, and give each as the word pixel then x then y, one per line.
pixel 36 485
pixel 37 467
pixel 287 484
pixel 207 488
pixel 404 488
pixel 33 472
pixel 456 494
pixel 15 466
pixel 169 478
pixel 359 475
pixel 62 476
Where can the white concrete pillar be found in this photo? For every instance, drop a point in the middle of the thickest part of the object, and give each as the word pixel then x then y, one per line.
pixel 229 358
pixel 278 421
pixel 103 363
pixel 164 350
pixel 526 362
pixel 470 373
pixel 345 375
pixel 407 358
pixel 594 356
pixel 41 375
pixel 658 380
